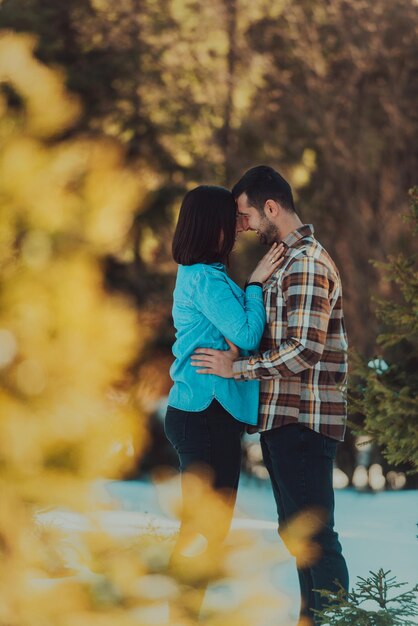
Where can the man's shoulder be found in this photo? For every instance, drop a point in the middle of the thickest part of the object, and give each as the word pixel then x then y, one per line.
pixel 310 255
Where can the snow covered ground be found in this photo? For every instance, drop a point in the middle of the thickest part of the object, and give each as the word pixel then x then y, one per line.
pixel 377 530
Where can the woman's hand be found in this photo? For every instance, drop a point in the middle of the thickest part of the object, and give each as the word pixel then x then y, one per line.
pixel 268 264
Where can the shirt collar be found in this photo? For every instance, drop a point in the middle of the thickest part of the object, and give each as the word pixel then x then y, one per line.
pixel 307 230
pixel 219 266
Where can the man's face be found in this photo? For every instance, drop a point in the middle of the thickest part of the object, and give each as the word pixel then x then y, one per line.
pixel 249 218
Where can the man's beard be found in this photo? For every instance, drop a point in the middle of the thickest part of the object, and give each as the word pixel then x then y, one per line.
pixel 268 232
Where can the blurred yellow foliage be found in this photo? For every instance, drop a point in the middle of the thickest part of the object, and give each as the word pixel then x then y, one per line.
pixel 64 342
pixel 49 108
pixel 66 418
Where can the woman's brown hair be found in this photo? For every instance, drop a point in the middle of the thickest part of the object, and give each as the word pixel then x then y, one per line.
pixel 206 228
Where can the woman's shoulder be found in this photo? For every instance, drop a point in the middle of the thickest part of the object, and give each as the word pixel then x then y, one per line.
pixel 203 270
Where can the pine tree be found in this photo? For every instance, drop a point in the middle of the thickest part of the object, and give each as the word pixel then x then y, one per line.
pixel 393 609
pixel 387 393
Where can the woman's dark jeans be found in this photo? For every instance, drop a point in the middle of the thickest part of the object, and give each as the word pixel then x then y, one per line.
pixel 208 439
pixel 211 437
pixel 300 463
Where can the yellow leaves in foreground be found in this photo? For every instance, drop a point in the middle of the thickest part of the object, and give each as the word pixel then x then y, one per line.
pixel 48 107
pixel 67 414
pixel 237 568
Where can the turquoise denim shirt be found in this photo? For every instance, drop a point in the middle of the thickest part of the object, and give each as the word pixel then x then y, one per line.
pixel 208 306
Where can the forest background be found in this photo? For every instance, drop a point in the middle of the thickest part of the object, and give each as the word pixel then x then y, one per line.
pixel 197 92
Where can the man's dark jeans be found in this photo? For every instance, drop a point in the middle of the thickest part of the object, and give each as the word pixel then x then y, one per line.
pixel 300 463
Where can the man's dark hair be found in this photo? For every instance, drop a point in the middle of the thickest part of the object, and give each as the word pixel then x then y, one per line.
pixel 206 228
pixel 262 183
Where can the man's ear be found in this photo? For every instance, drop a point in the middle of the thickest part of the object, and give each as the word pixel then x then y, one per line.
pixel 271 208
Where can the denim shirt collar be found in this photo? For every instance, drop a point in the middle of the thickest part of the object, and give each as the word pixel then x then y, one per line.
pixel 218 266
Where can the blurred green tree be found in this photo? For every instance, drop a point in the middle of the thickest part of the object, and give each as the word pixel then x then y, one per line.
pixel 386 393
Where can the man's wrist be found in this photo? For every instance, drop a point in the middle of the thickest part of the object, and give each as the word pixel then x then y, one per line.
pixel 240 369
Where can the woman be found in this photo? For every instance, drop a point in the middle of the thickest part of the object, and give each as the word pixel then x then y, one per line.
pixel 206 415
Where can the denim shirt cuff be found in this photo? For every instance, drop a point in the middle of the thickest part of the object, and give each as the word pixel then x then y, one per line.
pixel 254 292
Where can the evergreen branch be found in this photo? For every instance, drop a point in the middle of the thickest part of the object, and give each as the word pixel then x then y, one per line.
pixel 344 609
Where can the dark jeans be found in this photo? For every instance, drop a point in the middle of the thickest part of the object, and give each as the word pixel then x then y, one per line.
pixel 211 440
pixel 211 437
pixel 300 463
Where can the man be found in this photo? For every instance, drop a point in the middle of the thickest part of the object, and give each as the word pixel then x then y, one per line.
pixel 302 365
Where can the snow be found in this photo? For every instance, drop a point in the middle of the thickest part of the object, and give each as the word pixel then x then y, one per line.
pixel 377 530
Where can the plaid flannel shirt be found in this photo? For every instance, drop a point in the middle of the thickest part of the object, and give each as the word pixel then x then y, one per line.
pixel 302 362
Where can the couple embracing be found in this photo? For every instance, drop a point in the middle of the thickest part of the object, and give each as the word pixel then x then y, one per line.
pixel 271 358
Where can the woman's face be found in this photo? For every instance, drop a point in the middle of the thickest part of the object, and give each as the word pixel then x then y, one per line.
pixel 242 224
pixel 239 228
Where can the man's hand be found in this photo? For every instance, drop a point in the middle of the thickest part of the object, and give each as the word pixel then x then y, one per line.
pixel 218 362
